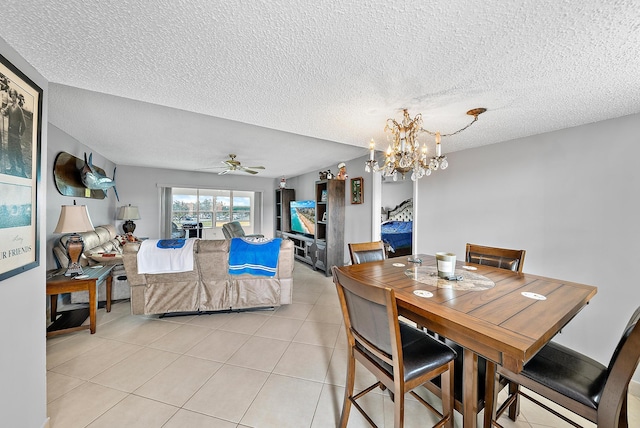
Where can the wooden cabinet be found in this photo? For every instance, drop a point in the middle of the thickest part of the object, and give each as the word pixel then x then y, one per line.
pixel 283 212
pixel 329 236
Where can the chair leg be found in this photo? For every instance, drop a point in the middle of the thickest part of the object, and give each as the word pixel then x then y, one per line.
pixel 348 390
pixel 447 388
pixel 514 408
pixel 398 408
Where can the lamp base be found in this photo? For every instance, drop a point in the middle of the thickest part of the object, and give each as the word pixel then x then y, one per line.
pixel 74 269
pixel 75 247
pixel 129 226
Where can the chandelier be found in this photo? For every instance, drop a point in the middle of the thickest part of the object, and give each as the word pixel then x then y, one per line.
pixel 405 154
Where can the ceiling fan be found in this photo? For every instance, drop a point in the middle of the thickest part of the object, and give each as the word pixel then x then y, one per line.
pixel 232 164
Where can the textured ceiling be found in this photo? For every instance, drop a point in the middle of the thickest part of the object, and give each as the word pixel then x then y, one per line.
pixel 182 83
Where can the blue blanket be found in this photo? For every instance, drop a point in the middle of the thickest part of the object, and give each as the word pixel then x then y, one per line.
pixel 255 258
pixel 171 243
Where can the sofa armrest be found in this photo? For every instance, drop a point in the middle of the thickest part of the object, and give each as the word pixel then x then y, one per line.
pixel 130 261
pixel 286 259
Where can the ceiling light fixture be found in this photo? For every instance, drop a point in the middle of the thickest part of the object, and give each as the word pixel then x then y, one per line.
pixel 405 154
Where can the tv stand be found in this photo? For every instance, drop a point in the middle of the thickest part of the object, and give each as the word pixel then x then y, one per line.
pixel 304 248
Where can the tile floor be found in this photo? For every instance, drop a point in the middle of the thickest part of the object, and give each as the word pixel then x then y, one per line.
pixel 281 368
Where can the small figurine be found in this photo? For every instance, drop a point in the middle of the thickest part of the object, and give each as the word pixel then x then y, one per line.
pixel 283 183
pixel 326 175
pixel 342 171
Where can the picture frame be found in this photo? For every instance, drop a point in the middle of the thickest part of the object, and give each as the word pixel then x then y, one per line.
pixel 323 195
pixel 357 195
pixel 20 142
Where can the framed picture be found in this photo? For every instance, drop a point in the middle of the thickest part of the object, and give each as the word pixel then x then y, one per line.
pixel 356 190
pixel 20 131
pixel 323 196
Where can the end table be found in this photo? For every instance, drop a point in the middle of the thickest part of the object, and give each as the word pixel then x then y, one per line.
pixel 93 276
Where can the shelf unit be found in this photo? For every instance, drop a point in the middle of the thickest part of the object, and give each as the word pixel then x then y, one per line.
pixel 329 236
pixel 283 212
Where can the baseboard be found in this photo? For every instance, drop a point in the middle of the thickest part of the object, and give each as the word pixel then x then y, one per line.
pixel 634 388
pixel 46 423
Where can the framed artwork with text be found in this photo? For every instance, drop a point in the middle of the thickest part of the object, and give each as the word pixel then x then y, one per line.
pixel 20 133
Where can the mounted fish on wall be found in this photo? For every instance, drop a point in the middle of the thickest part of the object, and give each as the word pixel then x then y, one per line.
pixel 80 178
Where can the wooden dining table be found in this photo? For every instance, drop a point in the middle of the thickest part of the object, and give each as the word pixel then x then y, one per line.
pixel 506 319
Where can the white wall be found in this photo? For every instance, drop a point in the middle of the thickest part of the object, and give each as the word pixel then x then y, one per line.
pixel 140 186
pixel 570 198
pixel 396 192
pixel 101 211
pixel 22 308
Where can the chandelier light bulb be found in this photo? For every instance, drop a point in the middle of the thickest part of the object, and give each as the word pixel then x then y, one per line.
pixel 372 149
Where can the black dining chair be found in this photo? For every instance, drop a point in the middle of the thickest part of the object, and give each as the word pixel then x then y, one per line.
pixel 363 252
pixel 578 383
pixel 400 356
pixel 503 258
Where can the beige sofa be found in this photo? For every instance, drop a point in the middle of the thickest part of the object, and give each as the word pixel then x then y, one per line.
pixel 103 240
pixel 209 286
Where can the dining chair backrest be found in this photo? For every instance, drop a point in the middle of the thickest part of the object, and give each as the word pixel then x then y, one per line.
pixel 580 384
pixel 503 258
pixel 377 339
pixel 620 370
pixel 363 252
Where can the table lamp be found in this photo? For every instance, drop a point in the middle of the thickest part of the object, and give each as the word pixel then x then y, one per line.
pixel 128 213
pixel 74 219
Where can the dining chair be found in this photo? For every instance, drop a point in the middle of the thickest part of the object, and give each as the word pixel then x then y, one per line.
pixel 363 252
pixel 578 383
pixel 400 356
pixel 503 258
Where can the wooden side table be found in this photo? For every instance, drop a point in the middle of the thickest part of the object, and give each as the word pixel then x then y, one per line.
pixel 57 283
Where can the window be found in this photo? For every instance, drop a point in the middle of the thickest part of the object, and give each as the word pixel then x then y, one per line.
pixel 208 209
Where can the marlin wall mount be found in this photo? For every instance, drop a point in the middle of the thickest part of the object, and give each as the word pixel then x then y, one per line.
pixel 80 178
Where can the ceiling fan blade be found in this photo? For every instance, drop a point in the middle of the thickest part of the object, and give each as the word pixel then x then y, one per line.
pixel 254 167
pixel 224 172
pixel 249 171
pixel 210 167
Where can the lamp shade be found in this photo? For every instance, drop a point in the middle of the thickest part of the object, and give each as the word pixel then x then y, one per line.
pixel 128 213
pixel 74 219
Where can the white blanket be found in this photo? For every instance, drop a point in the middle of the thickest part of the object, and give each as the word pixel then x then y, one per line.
pixel 152 259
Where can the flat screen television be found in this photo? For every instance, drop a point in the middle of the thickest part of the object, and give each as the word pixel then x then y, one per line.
pixel 303 217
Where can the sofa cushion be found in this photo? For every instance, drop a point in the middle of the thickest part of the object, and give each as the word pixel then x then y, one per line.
pixel 101 240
